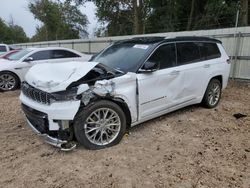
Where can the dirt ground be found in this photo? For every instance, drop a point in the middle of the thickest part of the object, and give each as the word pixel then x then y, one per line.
pixel 192 147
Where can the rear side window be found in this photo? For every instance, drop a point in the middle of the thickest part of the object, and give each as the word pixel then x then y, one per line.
pixel 187 52
pixel 57 54
pixel 209 51
pixel 42 55
pixel 3 49
pixel 165 55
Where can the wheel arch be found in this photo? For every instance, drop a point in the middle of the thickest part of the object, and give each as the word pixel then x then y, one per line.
pixel 218 77
pixel 119 101
pixel 123 105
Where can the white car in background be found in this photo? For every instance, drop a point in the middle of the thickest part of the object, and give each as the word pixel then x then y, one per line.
pixel 13 69
pixel 6 48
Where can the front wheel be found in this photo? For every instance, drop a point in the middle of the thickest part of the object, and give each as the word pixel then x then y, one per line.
pixel 100 125
pixel 8 81
pixel 213 94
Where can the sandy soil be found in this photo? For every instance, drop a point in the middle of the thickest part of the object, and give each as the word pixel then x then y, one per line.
pixel 192 147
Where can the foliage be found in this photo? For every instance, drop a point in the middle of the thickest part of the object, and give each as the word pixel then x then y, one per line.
pixel 118 17
pixel 167 15
pixel 61 20
pixel 11 33
pixel 114 17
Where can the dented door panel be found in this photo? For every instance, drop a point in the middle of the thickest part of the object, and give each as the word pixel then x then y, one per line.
pixel 158 90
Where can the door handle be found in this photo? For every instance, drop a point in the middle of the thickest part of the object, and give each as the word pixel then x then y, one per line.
pixel 206 66
pixel 175 72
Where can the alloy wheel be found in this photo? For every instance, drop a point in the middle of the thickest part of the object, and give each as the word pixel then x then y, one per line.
pixel 102 126
pixel 7 82
pixel 214 94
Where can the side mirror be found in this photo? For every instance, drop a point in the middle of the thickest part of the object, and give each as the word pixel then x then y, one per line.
pixel 150 66
pixel 29 59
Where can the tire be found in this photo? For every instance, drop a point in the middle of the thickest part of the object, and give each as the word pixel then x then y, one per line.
pixel 99 133
pixel 8 81
pixel 212 95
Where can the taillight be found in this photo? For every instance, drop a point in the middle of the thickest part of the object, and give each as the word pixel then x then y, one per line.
pixel 228 61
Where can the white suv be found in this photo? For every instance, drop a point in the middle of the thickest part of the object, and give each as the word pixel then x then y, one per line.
pixel 129 82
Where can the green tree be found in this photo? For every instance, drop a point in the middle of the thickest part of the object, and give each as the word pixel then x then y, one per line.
pixel 17 34
pixel 244 12
pixel 164 16
pixel 61 20
pixel 180 15
pixel 11 33
pixel 114 17
pixel 216 14
pixel 3 31
pixel 122 17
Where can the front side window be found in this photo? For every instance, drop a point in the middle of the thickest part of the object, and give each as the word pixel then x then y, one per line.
pixel 123 56
pixel 187 52
pixel 165 55
pixel 42 55
pixel 58 54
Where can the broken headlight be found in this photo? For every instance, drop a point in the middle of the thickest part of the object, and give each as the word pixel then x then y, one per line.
pixel 67 95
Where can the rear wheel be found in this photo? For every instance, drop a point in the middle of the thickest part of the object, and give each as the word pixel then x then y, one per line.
pixel 100 125
pixel 213 94
pixel 8 81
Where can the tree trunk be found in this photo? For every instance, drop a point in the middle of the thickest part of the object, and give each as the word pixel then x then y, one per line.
pixel 190 15
pixel 244 13
pixel 138 24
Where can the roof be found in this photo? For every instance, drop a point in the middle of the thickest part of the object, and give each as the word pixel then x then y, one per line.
pixel 154 40
pixel 143 40
pixel 193 38
pixel 48 48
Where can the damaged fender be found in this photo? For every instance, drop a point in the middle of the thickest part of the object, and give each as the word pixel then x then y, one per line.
pixel 116 88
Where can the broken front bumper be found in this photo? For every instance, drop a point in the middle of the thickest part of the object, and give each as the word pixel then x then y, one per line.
pixel 48 139
pixel 38 122
pixel 65 110
pixel 45 120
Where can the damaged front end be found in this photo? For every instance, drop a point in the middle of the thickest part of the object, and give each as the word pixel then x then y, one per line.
pixel 51 106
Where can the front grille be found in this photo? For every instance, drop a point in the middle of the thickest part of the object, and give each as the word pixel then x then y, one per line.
pixel 36 94
pixel 38 119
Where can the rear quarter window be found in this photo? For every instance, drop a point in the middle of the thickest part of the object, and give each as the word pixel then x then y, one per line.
pixel 209 51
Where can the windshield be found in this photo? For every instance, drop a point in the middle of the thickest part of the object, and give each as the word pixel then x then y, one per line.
pixel 18 55
pixel 124 56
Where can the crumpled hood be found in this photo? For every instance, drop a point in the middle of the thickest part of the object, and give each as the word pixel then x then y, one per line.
pixel 57 76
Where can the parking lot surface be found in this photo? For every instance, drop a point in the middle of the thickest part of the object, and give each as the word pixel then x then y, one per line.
pixel 192 147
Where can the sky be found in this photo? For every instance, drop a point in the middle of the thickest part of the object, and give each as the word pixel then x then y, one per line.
pixel 18 10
